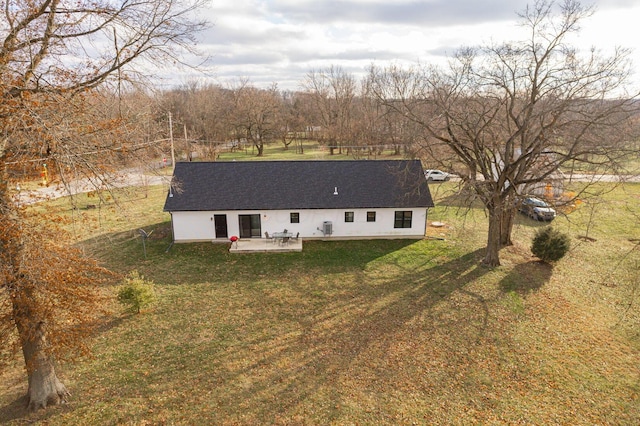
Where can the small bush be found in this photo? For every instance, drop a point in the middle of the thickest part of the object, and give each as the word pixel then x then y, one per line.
pixel 550 244
pixel 136 293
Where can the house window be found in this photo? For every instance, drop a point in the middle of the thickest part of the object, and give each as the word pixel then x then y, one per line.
pixel 348 216
pixel 402 219
pixel 371 216
pixel 295 217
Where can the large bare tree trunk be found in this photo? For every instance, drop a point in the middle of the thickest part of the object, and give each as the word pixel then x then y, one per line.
pixel 506 226
pixel 492 255
pixel 508 213
pixel 44 386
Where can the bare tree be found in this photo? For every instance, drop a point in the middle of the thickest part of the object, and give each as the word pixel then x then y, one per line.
pixel 511 115
pixel 256 114
pixel 292 123
pixel 53 55
pixel 308 122
pixel 368 126
pixel 203 109
pixel 333 92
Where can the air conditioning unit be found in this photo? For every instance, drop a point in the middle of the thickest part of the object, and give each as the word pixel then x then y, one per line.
pixel 327 227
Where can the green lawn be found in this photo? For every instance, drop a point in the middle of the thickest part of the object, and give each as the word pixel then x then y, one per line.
pixel 364 332
pixel 311 150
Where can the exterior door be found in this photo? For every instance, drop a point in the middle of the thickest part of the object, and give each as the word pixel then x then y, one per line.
pixel 220 223
pixel 250 226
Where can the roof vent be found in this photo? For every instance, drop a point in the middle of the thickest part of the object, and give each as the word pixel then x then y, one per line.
pixel 335 190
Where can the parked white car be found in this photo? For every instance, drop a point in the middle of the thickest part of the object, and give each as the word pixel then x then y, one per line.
pixel 437 175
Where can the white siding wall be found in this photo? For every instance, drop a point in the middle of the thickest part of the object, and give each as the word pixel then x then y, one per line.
pixel 192 226
pixel 199 226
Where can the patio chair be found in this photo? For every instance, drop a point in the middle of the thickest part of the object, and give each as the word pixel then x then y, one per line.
pixel 295 238
pixel 268 238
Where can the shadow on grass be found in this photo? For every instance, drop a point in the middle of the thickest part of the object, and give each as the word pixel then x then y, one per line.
pixel 527 277
pixel 113 321
pixel 194 263
pixel 524 220
pixel 18 412
pixel 345 328
pixel 17 409
pixel 282 345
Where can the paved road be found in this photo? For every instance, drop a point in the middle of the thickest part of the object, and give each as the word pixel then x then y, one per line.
pixel 136 178
pixel 121 180
pixel 602 178
pixel 581 177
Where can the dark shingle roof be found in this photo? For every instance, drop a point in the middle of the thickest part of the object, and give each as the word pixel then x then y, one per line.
pixel 287 185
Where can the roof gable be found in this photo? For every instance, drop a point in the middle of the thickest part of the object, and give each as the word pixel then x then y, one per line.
pixel 290 185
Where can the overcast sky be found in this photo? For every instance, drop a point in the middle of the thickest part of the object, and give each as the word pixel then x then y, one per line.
pixel 280 41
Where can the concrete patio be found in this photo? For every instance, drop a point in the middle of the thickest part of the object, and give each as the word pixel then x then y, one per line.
pixel 263 245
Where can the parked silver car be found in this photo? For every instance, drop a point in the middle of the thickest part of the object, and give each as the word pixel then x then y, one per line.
pixel 537 209
pixel 437 175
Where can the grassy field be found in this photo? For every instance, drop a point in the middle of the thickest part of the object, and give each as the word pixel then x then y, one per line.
pixel 311 150
pixel 362 332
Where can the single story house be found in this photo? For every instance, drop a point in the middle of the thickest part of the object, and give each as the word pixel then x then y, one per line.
pixel 212 201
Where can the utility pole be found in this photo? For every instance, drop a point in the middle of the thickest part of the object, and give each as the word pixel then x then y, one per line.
pixel 186 141
pixel 173 155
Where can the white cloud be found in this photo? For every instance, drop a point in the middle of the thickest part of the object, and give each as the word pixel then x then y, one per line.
pixel 281 40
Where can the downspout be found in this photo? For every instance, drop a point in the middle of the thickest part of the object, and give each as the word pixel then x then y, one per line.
pixel 426 220
pixel 173 236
